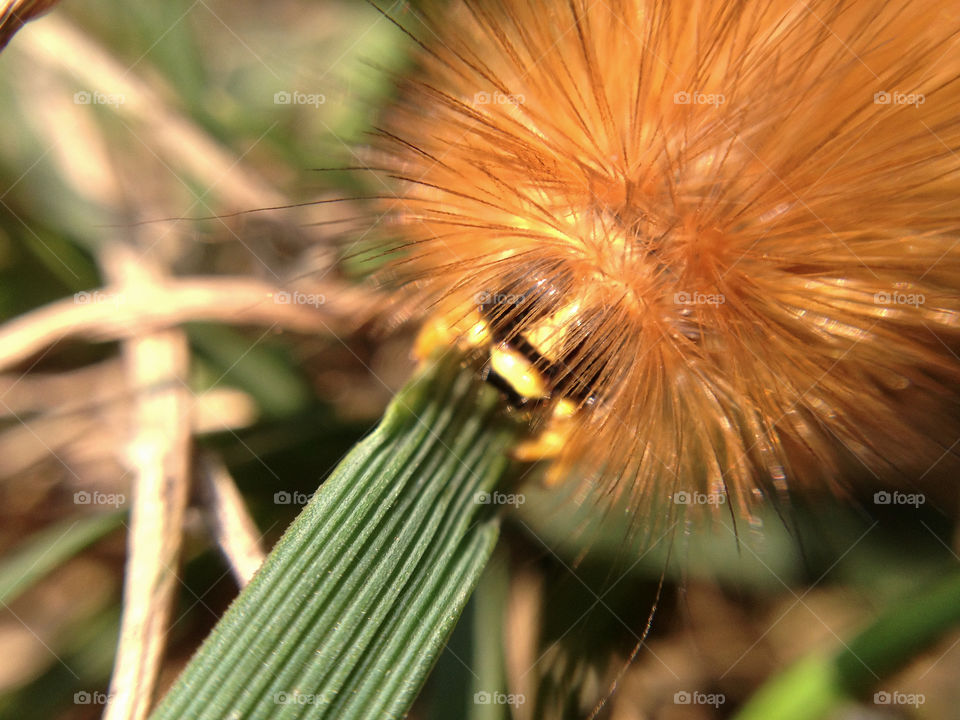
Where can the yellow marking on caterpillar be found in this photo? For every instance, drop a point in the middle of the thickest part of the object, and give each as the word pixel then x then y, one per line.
pixel 478 335
pixel 547 335
pixel 551 441
pixel 564 409
pixel 470 333
pixel 473 332
pixel 518 371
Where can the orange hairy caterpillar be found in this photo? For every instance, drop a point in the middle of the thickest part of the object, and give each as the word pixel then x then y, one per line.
pixel 716 244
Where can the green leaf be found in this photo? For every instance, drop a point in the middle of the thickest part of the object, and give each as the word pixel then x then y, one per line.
pixel 48 549
pixel 260 369
pixel 812 687
pixel 490 673
pixel 350 610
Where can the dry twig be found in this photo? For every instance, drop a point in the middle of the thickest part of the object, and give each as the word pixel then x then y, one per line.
pixel 233 528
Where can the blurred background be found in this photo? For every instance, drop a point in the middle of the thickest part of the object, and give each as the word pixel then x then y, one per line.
pixel 172 164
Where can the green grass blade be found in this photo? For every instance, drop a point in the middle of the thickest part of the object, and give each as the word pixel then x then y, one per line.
pixel 48 549
pixel 814 686
pixel 350 610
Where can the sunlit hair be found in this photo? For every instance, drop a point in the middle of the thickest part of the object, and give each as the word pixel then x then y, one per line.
pixel 737 222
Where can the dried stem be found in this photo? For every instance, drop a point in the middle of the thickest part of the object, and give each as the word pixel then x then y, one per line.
pixel 158 455
pixel 233 528
pixel 118 313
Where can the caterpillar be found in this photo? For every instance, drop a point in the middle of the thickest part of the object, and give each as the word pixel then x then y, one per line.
pixel 710 246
